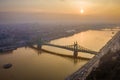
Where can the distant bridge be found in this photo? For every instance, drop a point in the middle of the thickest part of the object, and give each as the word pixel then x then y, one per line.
pixel 75 48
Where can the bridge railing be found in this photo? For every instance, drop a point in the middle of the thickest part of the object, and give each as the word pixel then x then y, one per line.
pixel 71 47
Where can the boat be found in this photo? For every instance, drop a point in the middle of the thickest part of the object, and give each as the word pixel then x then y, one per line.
pixel 7 66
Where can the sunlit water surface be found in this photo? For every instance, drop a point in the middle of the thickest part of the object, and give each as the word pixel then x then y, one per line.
pixel 31 64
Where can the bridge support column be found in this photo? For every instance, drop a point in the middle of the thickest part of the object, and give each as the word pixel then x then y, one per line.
pixel 39 46
pixel 75 54
pixel 39 43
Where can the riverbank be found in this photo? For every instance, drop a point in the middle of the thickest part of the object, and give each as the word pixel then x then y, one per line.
pixel 110 70
pixel 109 64
pixel 103 56
pixel 21 34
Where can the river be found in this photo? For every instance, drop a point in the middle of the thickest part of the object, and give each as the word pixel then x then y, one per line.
pixel 31 64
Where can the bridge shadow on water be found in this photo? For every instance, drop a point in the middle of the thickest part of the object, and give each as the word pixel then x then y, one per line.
pixel 70 57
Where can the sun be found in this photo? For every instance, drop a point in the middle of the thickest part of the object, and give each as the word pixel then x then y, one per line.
pixel 81 11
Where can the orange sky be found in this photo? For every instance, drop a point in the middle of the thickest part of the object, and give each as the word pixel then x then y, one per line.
pixel 92 8
pixel 62 6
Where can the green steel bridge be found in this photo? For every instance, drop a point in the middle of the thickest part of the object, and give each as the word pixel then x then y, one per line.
pixel 74 47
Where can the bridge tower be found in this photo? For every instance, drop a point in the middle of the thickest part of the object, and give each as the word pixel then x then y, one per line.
pixel 75 49
pixel 39 43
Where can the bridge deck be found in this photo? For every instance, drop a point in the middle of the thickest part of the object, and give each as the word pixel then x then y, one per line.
pixel 71 48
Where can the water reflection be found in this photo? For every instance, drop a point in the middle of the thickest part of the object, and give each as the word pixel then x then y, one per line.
pixel 8 52
pixel 69 57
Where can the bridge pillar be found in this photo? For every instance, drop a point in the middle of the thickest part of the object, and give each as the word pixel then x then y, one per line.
pixel 39 44
pixel 75 54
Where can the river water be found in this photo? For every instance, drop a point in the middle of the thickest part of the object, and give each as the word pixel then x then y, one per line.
pixel 31 64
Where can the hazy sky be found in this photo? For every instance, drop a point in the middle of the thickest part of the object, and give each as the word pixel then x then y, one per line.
pixel 62 6
pixel 101 8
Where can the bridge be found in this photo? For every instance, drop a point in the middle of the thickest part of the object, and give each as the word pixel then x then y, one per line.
pixel 75 48
pixel 69 57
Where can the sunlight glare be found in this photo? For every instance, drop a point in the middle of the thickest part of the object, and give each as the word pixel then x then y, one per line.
pixel 81 11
